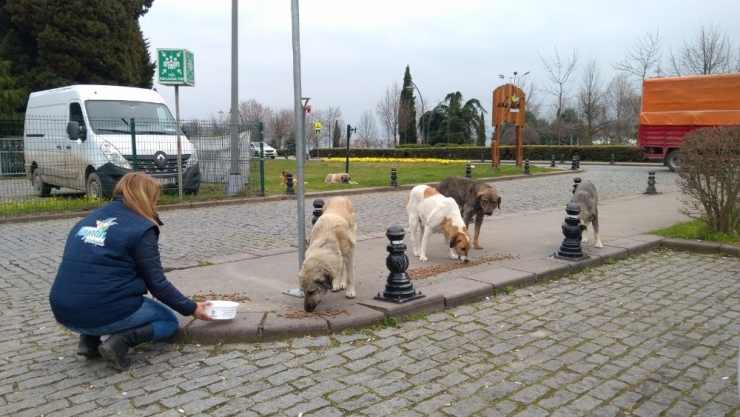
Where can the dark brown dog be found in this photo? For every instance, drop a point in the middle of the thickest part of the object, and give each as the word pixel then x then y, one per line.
pixel 475 198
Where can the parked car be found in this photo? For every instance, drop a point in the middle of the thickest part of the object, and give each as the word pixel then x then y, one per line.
pixel 269 151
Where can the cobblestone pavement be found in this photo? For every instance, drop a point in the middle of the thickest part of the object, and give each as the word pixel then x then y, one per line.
pixel 652 335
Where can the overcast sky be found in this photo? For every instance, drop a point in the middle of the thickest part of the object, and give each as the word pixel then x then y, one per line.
pixel 352 51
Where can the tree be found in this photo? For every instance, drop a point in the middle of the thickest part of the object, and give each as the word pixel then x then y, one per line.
pixel 642 58
pixel 61 42
pixel 336 135
pixel 387 111
pixel 559 73
pixel 710 52
pixel 480 139
pixel 251 111
pixel 279 127
pixel 407 111
pixel 11 98
pixel 622 105
pixel 367 131
pixel 454 121
pixel 590 102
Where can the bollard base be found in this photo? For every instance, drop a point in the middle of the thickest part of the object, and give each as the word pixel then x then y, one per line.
pixel 397 300
pixel 570 257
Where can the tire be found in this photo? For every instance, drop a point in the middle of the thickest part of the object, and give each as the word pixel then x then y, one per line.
pixel 272 157
pixel 94 187
pixel 42 189
pixel 673 160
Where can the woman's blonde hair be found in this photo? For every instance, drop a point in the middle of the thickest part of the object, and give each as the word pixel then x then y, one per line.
pixel 140 193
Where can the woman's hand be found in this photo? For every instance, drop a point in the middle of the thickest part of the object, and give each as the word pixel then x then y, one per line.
pixel 200 312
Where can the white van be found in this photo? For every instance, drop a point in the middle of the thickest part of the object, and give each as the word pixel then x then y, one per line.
pixel 80 137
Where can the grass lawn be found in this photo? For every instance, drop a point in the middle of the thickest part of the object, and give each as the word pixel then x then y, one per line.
pixel 366 174
pixel 698 230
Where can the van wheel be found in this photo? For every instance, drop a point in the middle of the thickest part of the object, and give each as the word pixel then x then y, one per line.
pixel 673 160
pixel 42 189
pixel 94 187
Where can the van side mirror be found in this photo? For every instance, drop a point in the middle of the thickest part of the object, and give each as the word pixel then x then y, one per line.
pixel 75 131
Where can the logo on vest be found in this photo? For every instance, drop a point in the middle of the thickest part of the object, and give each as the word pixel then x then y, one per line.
pixel 96 235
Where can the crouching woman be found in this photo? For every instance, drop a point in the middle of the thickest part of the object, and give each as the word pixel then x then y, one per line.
pixel 110 262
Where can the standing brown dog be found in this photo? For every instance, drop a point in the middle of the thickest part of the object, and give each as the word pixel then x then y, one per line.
pixel 474 197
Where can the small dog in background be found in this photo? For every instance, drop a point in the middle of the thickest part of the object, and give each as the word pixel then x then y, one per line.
pixel 342 178
pixel 588 200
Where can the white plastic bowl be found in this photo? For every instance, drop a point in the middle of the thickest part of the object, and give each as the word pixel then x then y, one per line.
pixel 222 310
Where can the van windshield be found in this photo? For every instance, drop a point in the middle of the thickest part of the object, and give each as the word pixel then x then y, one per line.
pixel 113 116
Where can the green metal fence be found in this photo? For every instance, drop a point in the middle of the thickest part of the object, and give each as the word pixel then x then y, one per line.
pixel 53 164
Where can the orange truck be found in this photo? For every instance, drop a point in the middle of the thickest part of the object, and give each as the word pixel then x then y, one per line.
pixel 674 106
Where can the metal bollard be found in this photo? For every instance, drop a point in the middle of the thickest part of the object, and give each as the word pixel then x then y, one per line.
pixel 468 170
pixel 552 161
pixel 611 161
pixel 394 183
pixel 526 167
pixel 573 166
pixel 571 249
pixel 562 158
pixel 318 210
pixel 576 183
pixel 482 157
pixel 398 286
pixel 651 184
pixel 289 183
pixel 578 162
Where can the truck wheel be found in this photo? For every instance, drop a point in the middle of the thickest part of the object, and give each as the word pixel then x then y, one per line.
pixel 673 160
pixel 94 187
pixel 42 189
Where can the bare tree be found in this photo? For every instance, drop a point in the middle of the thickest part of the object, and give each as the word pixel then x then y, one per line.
pixel 328 118
pixel 279 127
pixel 710 52
pixel 387 112
pixel 590 101
pixel 622 109
pixel 367 131
pixel 559 73
pixel 251 111
pixel 642 58
pixel 533 95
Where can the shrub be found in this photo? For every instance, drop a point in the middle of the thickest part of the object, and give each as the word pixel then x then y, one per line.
pixel 709 177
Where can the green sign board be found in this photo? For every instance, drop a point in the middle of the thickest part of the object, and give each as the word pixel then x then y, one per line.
pixel 175 67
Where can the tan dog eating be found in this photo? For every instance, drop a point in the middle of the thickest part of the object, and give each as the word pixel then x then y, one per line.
pixel 329 262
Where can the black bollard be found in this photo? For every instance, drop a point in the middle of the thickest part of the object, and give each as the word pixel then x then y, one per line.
pixel 573 166
pixel 578 162
pixel 571 249
pixel 526 167
pixel 651 184
pixel 398 286
pixel 394 183
pixel 562 158
pixel 468 170
pixel 576 183
pixel 552 161
pixel 289 183
pixel 482 157
pixel 611 161
pixel 318 210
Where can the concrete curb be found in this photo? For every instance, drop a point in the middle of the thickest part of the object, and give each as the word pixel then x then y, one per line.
pixel 273 326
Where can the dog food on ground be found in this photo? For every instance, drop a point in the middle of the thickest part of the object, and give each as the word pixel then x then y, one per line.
pixel 226 297
pixel 430 271
pixel 301 314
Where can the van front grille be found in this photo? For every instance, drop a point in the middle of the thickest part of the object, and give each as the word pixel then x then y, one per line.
pixel 151 165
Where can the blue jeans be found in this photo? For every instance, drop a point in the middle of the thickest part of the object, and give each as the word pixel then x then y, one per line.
pixel 162 319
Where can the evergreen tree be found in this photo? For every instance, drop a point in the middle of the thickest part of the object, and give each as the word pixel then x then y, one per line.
pixel 480 139
pixel 60 42
pixel 407 111
pixel 11 98
pixel 336 140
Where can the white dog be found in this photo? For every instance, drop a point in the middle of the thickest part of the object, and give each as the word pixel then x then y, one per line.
pixel 431 212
